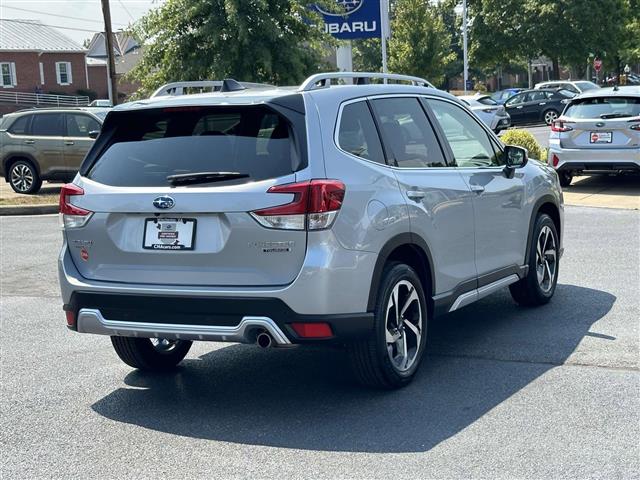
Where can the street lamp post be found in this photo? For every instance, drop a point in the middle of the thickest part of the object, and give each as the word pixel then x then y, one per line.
pixel 464 44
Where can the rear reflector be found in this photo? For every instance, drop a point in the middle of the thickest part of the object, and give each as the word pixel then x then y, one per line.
pixel 555 160
pixel 312 330
pixel 72 216
pixel 314 206
pixel 71 318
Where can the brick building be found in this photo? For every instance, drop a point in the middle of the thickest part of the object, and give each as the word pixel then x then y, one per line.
pixel 35 58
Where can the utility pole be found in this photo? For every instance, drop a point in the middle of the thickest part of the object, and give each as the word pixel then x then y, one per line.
pixel 464 45
pixel 111 64
pixel 384 32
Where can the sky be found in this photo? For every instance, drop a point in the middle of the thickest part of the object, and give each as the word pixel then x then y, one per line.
pixel 80 18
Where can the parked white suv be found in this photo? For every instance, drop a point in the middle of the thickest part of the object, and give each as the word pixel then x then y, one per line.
pixel 578 86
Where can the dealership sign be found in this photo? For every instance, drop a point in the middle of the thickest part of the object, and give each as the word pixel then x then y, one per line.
pixel 354 19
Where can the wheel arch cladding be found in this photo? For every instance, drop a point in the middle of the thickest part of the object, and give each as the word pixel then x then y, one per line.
pixel 410 249
pixel 546 204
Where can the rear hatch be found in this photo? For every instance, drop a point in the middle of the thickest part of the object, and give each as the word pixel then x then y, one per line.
pixel 193 228
pixel 608 122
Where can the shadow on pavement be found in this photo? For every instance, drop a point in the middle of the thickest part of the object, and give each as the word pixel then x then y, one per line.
pixel 305 398
pixel 627 185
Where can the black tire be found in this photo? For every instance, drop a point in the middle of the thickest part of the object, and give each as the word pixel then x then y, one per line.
pixel 24 178
pixel 565 179
pixel 529 291
pixel 370 359
pixel 142 354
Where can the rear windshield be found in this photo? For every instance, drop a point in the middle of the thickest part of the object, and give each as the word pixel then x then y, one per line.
pixel 604 107
pixel 487 101
pixel 148 146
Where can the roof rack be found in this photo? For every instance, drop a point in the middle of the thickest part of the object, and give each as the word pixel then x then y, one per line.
pixel 226 85
pixel 323 80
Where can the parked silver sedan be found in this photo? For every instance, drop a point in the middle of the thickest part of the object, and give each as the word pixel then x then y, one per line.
pixel 489 111
pixel 598 132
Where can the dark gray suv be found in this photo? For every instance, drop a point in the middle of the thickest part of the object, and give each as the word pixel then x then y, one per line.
pixel 46 144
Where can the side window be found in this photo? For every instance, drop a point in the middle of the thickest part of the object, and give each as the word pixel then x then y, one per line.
pixel 79 125
pixel 47 125
pixel 357 133
pixel 407 133
pixel 469 142
pixel 517 100
pixel 21 125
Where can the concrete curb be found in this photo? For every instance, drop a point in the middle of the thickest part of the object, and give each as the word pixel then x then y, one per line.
pixel 29 209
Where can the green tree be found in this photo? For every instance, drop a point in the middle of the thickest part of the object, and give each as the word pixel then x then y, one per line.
pixel 251 40
pixel 367 55
pixel 420 44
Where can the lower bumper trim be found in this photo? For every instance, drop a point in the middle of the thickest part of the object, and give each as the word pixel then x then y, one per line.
pixel 92 321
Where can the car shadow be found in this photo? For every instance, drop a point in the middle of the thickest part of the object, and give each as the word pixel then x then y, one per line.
pixel 605 185
pixel 306 399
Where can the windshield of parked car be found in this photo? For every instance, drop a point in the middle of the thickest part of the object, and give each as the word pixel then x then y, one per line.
pixel 147 146
pixel 604 107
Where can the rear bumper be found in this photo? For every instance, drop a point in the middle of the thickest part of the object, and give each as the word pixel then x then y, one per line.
pixel 230 319
pixel 595 161
pixel 501 122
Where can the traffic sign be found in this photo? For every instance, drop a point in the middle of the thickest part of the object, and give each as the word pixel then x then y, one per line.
pixel 597 64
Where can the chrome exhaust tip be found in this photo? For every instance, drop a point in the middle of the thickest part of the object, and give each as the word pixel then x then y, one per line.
pixel 264 340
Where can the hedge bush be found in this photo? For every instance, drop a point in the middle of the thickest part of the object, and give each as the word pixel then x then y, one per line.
pixel 524 139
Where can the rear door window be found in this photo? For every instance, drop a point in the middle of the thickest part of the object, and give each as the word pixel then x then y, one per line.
pixel 148 146
pixel 47 125
pixel 21 125
pixel 357 133
pixel 407 133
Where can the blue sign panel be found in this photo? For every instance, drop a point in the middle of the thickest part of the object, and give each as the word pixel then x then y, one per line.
pixel 358 19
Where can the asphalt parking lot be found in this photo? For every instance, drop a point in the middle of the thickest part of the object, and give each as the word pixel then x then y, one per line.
pixel 506 392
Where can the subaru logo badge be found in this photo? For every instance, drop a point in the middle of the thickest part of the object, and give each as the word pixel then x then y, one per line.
pixel 600 124
pixel 164 202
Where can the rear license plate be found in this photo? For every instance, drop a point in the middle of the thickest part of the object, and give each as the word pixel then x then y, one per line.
pixel 169 233
pixel 601 137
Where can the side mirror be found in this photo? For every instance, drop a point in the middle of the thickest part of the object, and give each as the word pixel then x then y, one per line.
pixel 94 134
pixel 515 157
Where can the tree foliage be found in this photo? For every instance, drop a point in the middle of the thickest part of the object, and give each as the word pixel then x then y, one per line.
pixel 566 31
pixel 253 40
pixel 420 44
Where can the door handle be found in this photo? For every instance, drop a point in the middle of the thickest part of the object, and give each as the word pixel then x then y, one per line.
pixel 476 188
pixel 519 106
pixel 415 195
pixel 69 142
pixel 29 142
pixel 543 103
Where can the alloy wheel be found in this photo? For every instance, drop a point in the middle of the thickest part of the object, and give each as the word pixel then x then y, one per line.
pixel 404 325
pixel 550 117
pixel 546 259
pixel 164 345
pixel 22 177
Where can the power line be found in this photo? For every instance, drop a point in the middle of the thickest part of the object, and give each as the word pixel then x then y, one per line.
pixel 26 22
pixel 62 16
pixel 126 10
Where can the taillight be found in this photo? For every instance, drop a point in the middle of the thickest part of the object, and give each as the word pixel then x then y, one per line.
pixel 72 216
pixel 315 206
pixel 555 160
pixel 560 126
pixel 635 127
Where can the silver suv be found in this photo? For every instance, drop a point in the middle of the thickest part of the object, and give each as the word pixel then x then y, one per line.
pixel 598 133
pixel 336 214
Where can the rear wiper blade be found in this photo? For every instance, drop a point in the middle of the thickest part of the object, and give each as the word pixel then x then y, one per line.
pixel 204 177
pixel 615 115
